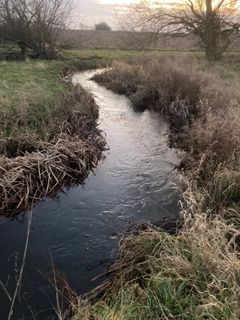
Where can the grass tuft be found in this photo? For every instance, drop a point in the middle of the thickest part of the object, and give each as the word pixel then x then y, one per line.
pixel 193 275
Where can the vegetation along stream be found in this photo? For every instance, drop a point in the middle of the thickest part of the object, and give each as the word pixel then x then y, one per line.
pixel 134 183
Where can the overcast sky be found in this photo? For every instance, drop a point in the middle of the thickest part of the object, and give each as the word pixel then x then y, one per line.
pixel 90 12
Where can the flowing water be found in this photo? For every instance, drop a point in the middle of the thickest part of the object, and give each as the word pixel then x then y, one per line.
pixel 79 230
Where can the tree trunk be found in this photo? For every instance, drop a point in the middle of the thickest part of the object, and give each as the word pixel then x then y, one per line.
pixel 212 53
pixel 23 49
pixel 212 49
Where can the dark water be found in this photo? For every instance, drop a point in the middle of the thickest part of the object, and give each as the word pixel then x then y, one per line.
pixel 133 183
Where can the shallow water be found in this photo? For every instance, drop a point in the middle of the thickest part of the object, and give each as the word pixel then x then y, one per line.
pixel 79 230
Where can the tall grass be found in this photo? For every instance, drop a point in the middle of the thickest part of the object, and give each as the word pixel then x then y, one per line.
pixel 202 113
pixel 174 87
pixel 194 275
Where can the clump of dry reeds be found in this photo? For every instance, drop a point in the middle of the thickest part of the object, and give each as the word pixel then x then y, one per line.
pixel 214 154
pixel 34 176
pixel 19 145
pixel 34 166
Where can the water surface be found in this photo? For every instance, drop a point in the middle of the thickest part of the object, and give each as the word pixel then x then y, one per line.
pixel 79 229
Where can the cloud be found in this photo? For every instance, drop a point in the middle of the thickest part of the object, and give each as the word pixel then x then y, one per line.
pixel 90 12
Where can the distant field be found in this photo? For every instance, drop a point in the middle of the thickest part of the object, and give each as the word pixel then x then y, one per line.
pixel 101 53
pixel 115 54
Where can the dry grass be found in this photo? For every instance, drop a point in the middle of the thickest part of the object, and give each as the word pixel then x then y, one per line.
pixel 174 87
pixel 28 179
pixel 193 275
pixel 203 114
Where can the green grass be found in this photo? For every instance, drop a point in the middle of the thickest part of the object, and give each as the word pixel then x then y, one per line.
pixel 117 54
pixel 108 54
pixel 32 96
pixel 36 76
pixel 29 93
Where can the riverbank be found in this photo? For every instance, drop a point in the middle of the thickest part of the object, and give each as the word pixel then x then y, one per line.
pixel 49 135
pixel 80 227
pixel 194 274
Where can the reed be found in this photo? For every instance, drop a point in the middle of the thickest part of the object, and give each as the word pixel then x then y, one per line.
pixel 34 176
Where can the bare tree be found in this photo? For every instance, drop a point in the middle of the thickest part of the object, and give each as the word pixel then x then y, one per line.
pixel 213 22
pixel 35 25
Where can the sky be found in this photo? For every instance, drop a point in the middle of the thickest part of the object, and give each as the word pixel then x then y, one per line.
pixel 90 12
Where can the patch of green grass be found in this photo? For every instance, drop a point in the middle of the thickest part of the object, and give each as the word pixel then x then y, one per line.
pixel 117 54
pixel 30 93
pixel 30 75
pixel 33 99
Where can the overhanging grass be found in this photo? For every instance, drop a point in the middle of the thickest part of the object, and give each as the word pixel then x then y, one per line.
pixel 192 276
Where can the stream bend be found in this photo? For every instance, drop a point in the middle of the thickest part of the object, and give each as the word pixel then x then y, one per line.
pixel 133 183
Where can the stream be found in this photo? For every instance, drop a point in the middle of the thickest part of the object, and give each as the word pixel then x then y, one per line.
pixel 79 229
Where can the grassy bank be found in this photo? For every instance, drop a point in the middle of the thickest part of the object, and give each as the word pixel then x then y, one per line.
pixel 34 96
pixel 49 137
pixel 30 97
pixel 194 274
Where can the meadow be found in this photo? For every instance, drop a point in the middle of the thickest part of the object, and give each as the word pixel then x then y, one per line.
pixel 45 130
